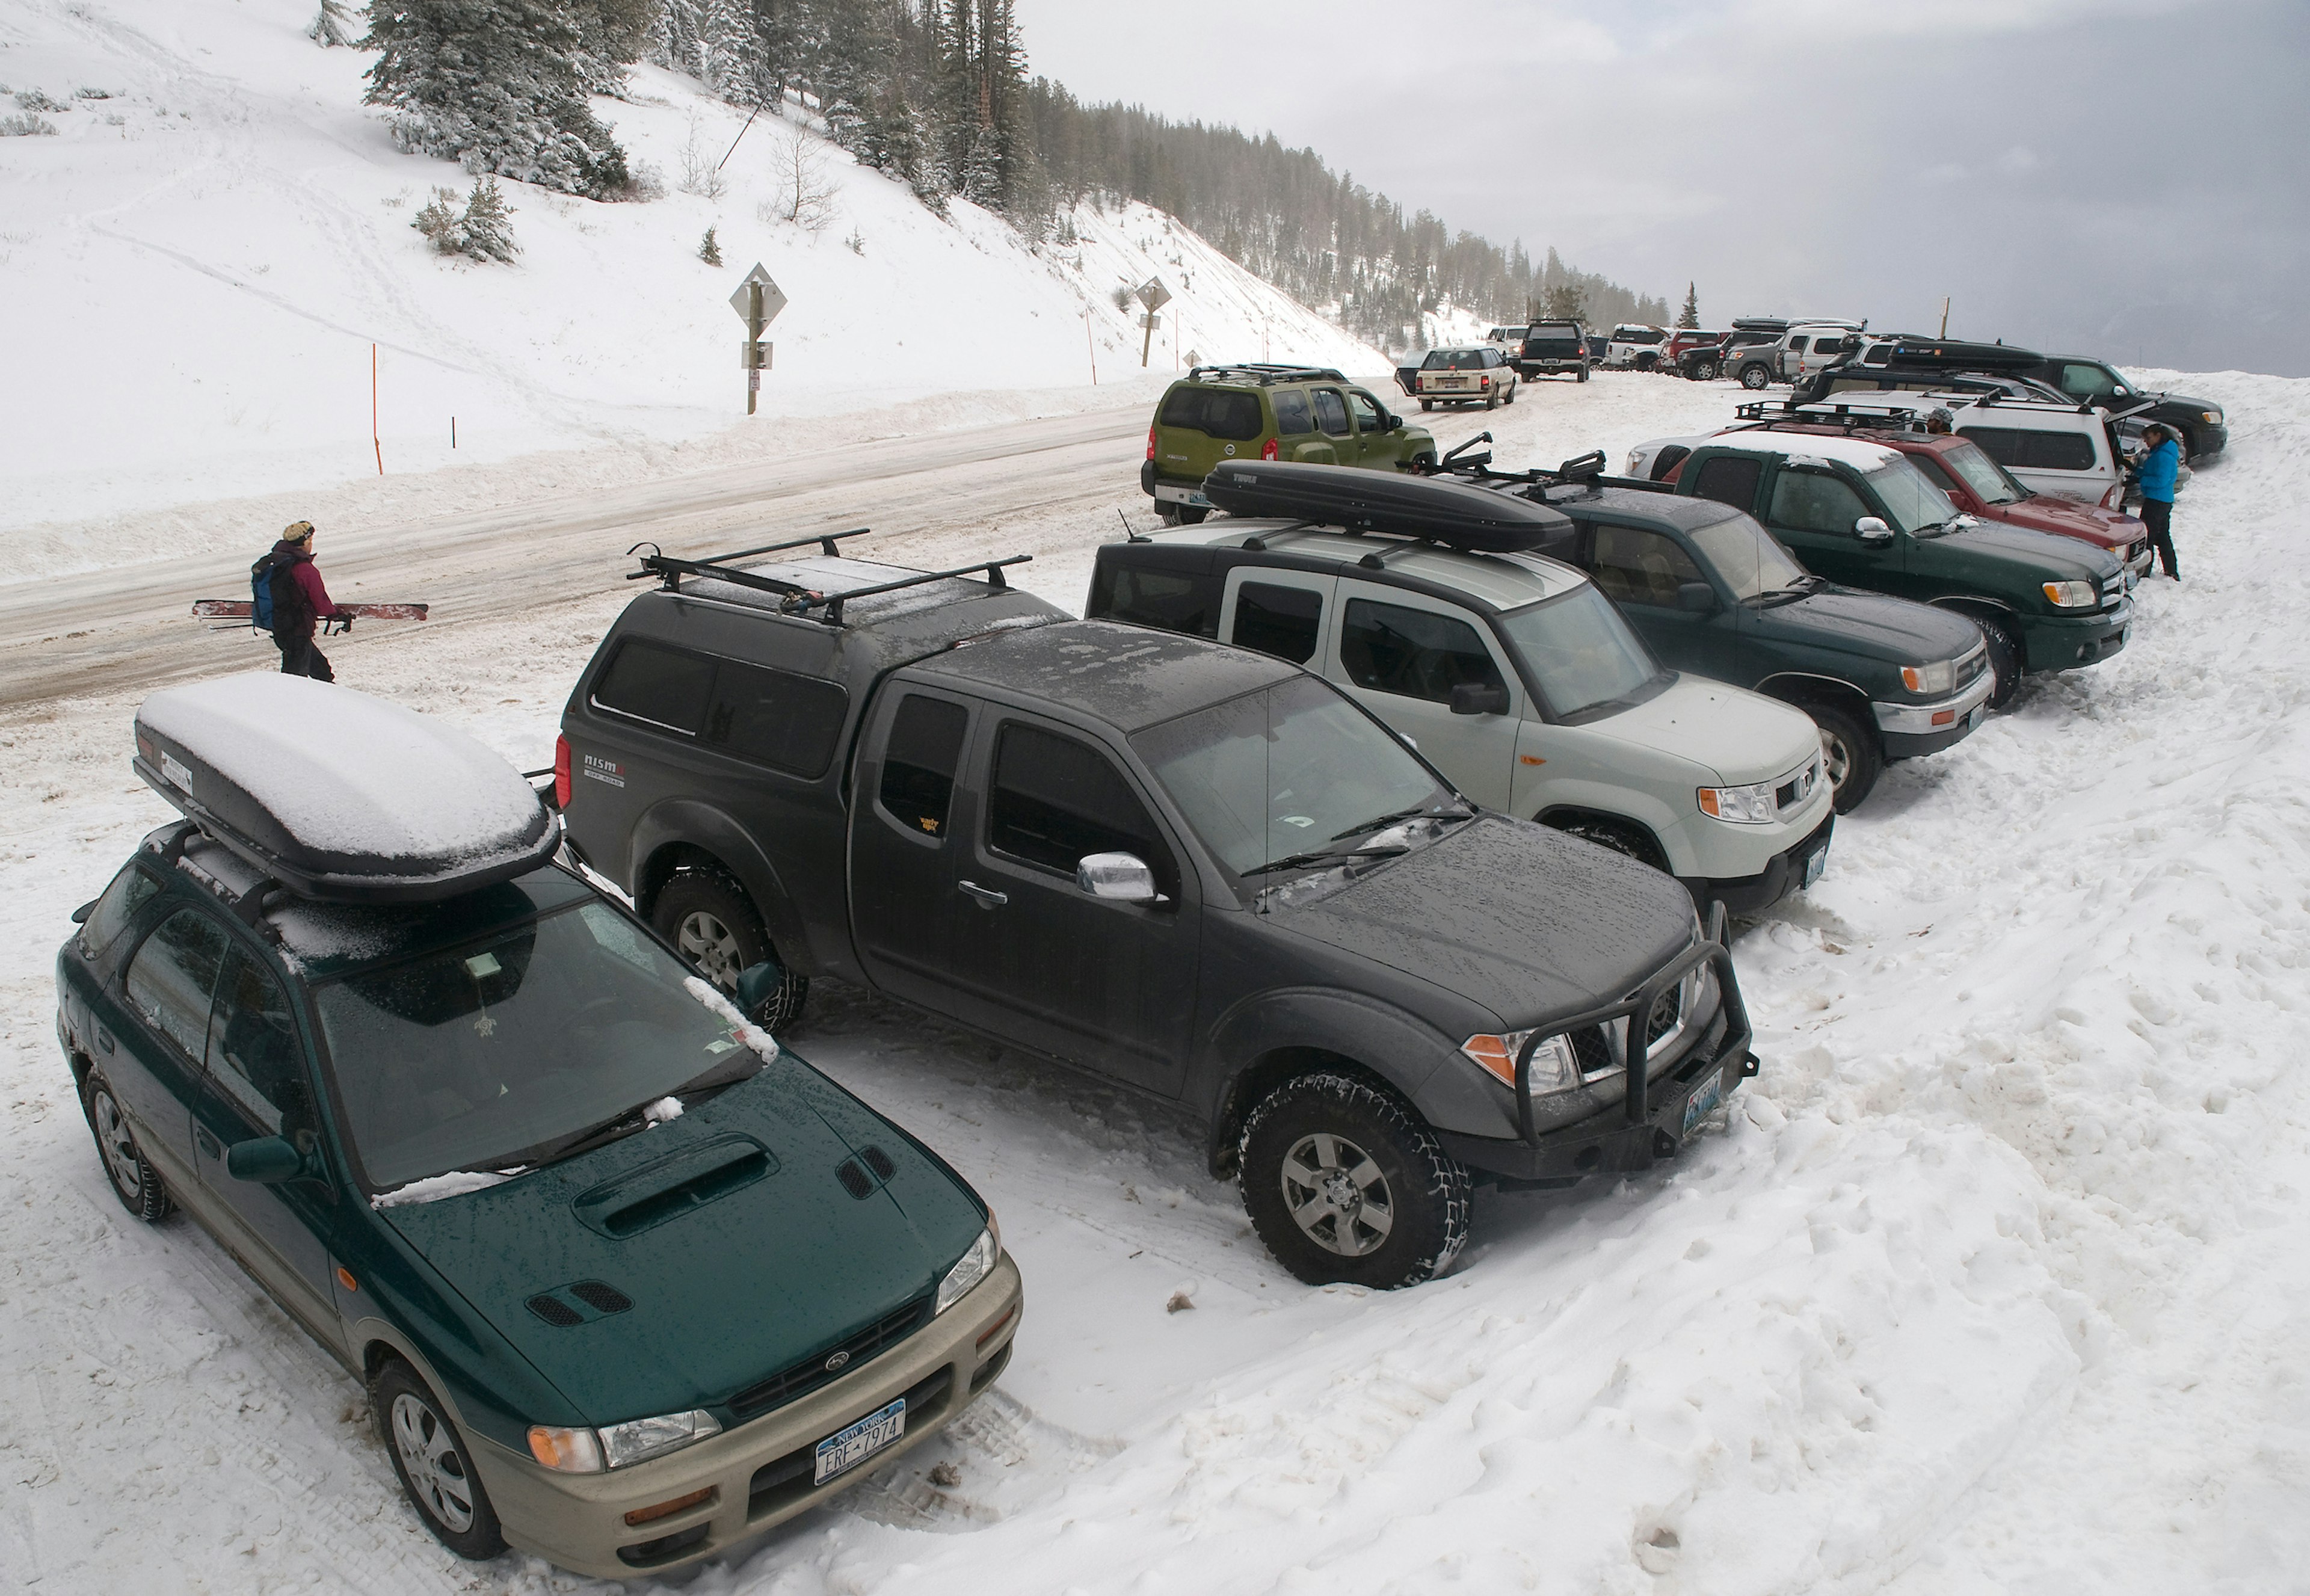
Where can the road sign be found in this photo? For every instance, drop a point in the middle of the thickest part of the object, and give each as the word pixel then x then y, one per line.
pixel 1151 321
pixel 773 301
pixel 754 356
pixel 1152 294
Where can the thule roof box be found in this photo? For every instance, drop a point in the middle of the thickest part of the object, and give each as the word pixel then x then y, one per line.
pixel 1954 354
pixel 337 796
pixel 1449 513
pixel 1265 376
pixel 797 598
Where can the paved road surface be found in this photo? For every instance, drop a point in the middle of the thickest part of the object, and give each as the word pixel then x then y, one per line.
pixel 940 498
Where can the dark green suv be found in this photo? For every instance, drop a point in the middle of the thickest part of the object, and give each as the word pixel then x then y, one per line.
pixel 1713 594
pixel 1309 413
pixel 627 1283
pixel 1860 514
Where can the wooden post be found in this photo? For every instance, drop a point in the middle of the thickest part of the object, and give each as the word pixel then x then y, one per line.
pixel 1147 342
pixel 1092 345
pixel 1944 316
pixel 753 329
pixel 374 442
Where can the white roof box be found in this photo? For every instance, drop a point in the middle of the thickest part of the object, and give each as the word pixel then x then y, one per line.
pixel 339 796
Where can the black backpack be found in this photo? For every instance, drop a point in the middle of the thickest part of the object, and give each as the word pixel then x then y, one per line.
pixel 277 605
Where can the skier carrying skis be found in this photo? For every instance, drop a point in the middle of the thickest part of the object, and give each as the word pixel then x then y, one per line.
pixel 299 603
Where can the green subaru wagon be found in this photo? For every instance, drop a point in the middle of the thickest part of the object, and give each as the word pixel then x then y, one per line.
pixel 627 1281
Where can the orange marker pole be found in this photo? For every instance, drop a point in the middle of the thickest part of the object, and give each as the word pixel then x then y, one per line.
pixel 374 442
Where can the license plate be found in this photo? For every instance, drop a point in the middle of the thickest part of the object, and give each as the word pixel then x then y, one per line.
pixel 1815 863
pixel 1980 714
pixel 847 1448
pixel 1697 1105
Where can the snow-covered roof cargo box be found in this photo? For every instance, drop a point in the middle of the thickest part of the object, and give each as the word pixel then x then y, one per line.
pixel 339 796
pixel 1475 519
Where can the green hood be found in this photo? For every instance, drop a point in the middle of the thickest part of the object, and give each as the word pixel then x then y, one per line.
pixel 2000 556
pixel 730 1231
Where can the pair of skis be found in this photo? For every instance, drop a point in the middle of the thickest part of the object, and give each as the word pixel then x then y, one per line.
pixel 245 609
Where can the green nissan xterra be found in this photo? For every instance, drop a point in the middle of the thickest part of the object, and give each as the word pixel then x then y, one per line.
pixel 1309 413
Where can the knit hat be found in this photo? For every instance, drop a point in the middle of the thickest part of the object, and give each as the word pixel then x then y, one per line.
pixel 296 532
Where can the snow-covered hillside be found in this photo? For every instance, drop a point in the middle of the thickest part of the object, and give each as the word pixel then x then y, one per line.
pixel 197 264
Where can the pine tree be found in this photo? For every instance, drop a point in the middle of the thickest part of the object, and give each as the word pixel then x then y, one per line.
pixel 709 249
pixel 494 84
pixel 331 25
pixel 612 36
pixel 486 225
pixel 1688 317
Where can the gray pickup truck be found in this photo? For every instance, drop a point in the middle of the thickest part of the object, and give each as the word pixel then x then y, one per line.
pixel 1189 868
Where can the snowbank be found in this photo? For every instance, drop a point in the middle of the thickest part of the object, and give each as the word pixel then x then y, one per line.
pixel 200 265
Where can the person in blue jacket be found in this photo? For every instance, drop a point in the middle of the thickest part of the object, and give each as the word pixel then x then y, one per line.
pixel 2159 467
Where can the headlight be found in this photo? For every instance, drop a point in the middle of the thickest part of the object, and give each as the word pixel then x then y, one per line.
pixel 1751 805
pixel 1636 461
pixel 2072 595
pixel 973 1267
pixel 1553 1067
pixel 2214 416
pixel 1939 677
pixel 637 1440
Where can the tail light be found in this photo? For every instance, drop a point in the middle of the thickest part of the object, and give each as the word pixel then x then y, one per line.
pixel 1484 382
pixel 562 772
pixel 1151 443
pixel 2114 498
pixel 1267 450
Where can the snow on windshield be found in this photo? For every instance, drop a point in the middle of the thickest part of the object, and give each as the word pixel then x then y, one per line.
pixel 345 772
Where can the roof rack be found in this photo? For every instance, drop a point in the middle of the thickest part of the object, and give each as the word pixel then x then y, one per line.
pixel 1459 517
pixel 1845 413
pixel 793 598
pixel 1266 376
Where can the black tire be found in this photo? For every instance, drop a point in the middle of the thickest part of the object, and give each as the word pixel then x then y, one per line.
pixel 712 923
pixel 1510 398
pixel 1302 1160
pixel 2005 659
pixel 1192 515
pixel 1584 374
pixel 1618 835
pixel 1754 377
pixel 1492 400
pixel 1851 749
pixel 132 1179
pixel 432 1460
pixel 1167 512
pixel 1426 403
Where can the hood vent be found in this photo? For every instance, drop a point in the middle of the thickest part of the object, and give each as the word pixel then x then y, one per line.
pixel 579 1303
pixel 879 1161
pixel 855 1180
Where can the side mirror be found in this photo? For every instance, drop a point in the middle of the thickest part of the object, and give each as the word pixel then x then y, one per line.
pixel 1476 697
pixel 1870 529
pixel 1395 423
pixel 266 1161
pixel 81 915
pixel 1696 598
pixel 1121 877
pixel 758 983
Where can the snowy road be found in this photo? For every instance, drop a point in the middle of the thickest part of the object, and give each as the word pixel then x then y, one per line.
pixel 1994 1280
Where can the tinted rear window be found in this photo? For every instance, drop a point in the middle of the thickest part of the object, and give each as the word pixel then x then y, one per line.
pixel 1730 479
pixel 1176 601
pixel 773 717
pixel 1215 413
pixel 665 686
pixel 1291 415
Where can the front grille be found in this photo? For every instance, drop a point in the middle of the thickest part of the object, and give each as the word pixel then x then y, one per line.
pixel 1665 1013
pixel 1972 665
pixel 1591 1052
pixel 811 1372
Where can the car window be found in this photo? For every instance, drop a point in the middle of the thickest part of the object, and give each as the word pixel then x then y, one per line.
pixel 1991 482
pixel 1283 771
pixel 1912 503
pixel 1331 411
pixel 1745 555
pixel 1796 346
pixel 486 1054
pixel 1638 567
pixel 1814 501
pixel 1216 412
pixel 254 1056
pixel 1055 800
pixel 1176 601
pixel 777 719
pixel 2000 444
pixel 666 687
pixel 1583 650
pixel 1293 416
pixel 1880 355
pixel 1282 621
pixel 130 891
pixel 2086 382
pixel 1451 360
pixel 1369 417
pixel 920 761
pixel 2057 451
pixel 173 973
pixel 1730 479
pixel 1416 654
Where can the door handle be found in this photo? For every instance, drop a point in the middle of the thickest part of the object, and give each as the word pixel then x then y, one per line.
pixel 207 1143
pixel 987 898
pixel 104 1038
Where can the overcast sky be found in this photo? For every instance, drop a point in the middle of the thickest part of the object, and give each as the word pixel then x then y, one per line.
pixel 2122 177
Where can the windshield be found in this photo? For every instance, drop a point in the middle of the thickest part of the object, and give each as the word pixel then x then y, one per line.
pixel 1746 556
pixel 1581 649
pixel 1294 769
pixel 476 1057
pixel 1914 504
pixel 1991 482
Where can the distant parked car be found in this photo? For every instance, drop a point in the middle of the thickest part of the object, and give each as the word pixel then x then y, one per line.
pixel 1268 412
pixel 1479 375
pixel 1693 353
pixel 1635 347
pixel 1506 340
pixel 2203 429
pixel 1552 348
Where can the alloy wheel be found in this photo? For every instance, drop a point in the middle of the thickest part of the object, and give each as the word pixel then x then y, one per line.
pixel 120 1160
pixel 710 945
pixel 429 1457
pixel 1837 756
pixel 1337 1195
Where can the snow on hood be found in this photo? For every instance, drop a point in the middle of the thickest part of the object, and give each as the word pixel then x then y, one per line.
pixel 344 773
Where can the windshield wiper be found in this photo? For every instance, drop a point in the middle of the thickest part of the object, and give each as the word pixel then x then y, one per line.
pixel 625 1123
pixel 1320 856
pixel 1417 811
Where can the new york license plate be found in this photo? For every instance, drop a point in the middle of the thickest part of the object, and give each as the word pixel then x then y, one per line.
pixel 847 1448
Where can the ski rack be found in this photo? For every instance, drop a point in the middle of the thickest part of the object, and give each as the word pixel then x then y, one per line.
pixel 1581 471
pixel 1828 412
pixel 793 598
